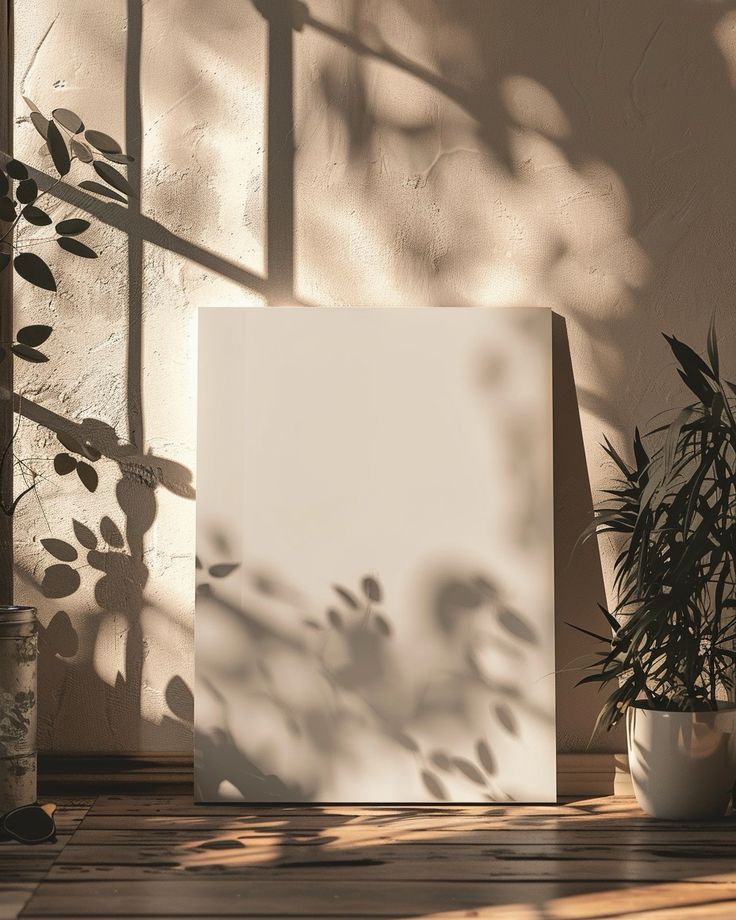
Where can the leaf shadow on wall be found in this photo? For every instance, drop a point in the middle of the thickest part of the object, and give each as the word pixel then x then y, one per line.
pixel 113 704
pixel 598 160
pixel 105 679
pixel 282 690
pixel 75 659
pixel 639 124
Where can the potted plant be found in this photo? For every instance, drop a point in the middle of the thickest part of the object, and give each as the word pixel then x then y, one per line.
pixel 670 659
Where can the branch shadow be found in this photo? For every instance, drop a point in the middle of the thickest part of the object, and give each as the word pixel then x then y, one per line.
pixel 282 690
pixel 475 50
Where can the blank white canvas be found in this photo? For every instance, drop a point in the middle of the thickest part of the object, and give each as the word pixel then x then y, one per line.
pixel 347 453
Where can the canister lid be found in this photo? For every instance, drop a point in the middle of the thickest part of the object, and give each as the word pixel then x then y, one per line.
pixel 14 613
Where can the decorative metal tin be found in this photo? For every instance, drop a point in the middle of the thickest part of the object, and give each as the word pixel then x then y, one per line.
pixel 18 655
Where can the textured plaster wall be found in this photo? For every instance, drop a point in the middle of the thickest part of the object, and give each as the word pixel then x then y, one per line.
pixel 573 155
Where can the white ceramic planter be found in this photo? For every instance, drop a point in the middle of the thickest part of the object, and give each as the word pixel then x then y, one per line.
pixel 683 764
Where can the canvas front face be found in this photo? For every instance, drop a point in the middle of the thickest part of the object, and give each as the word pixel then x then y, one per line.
pixel 375 605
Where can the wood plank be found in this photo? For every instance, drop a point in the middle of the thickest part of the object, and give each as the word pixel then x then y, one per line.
pixel 94 773
pixel 185 805
pixel 228 897
pixel 232 849
pixel 73 801
pixel 12 848
pixel 14 895
pixel 91 764
pixel 21 868
pixel 448 827
pixel 381 866
pixel 312 823
pixel 68 820
pixel 656 835
pixel 713 911
pixel 120 812
pixel 557 909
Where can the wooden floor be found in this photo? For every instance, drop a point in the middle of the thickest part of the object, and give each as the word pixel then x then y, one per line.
pixel 163 856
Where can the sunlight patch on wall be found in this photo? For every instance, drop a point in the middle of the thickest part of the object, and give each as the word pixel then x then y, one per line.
pixel 533 106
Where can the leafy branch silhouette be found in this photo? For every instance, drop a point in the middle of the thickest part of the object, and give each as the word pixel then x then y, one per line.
pixel 65 140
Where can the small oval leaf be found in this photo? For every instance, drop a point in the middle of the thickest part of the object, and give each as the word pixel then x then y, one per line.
pixel 72 227
pixel 41 124
pixel 223 568
pixel 506 717
pixel 404 739
pixel 28 354
pixel 77 447
pixel 85 536
pixel 16 170
pixel 111 533
pixel 60 581
pixel 64 464
pixel 7 209
pixel 30 103
pixel 59 549
pixel 33 335
pixel 433 785
pixel 69 120
pixel 469 770
pixel 103 142
pixel 335 618
pixel 441 760
pixel 114 178
pixel 33 269
pixel 180 699
pixel 519 627
pixel 372 589
pixel 100 189
pixel 382 625
pixel 59 636
pixel 486 758
pixel 27 191
pixel 36 216
pixel 81 151
pixel 76 247
pixel 347 596
pixel 87 475
pixel 58 150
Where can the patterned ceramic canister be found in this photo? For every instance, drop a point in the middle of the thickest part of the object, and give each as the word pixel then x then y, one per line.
pixel 18 653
